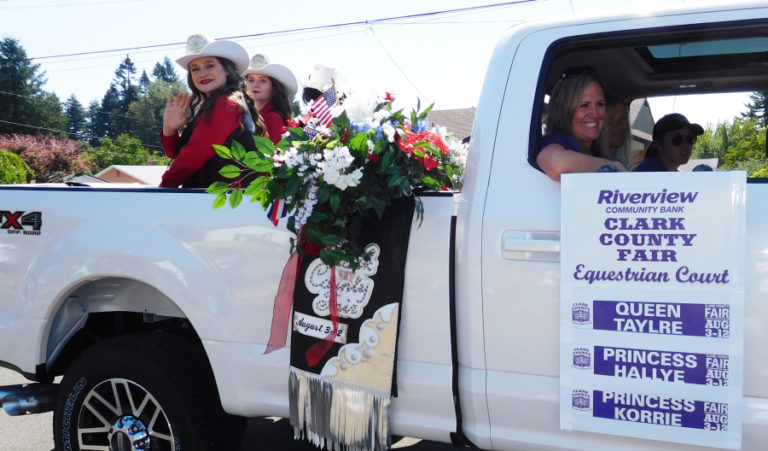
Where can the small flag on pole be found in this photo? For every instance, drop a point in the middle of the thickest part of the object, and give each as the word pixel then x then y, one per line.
pixel 321 106
pixel 276 211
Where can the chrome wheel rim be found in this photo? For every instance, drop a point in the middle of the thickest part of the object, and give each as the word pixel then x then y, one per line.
pixel 121 415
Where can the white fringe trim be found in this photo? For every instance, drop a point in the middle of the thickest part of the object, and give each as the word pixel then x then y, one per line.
pixel 336 415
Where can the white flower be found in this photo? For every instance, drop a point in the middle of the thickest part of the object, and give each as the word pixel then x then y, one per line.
pixel 359 108
pixel 388 130
pixel 381 115
pixel 334 165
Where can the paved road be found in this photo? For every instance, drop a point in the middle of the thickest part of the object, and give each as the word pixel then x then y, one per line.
pixel 34 432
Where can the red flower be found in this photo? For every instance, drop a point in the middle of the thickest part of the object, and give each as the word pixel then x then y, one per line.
pixel 283 130
pixel 374 158
pixel 409 145
pixel 346 135
pixel 389 98
pixel 292 123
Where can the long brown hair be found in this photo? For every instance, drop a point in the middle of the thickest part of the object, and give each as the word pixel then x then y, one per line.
pixel 234 86
pixel 280 99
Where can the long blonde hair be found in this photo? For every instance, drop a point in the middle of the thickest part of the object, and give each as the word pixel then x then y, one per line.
pixel 564 101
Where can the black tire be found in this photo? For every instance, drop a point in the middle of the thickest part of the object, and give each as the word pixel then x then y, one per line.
pixel 168 382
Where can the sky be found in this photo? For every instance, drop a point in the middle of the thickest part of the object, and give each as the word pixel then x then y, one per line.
pixel 438 59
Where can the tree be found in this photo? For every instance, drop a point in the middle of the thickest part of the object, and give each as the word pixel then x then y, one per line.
pixel 13 169
pixel 127 92
pixel 143 82
pixel 24 106
pixel 148 110
pixel 51 159
pixel 94 113
pixel 756 109
pixel 164 71
pixel 124 150
pixel 107 116
pixel 76 118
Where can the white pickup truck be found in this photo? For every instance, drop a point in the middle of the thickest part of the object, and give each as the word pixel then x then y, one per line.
pixel 167 304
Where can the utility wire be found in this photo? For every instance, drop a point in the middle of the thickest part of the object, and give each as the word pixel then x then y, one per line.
pixel 84 109
pixel 305 29
pixel 73 136
pixel 373 33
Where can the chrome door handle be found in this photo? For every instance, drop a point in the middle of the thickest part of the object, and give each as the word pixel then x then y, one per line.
pixel 529 245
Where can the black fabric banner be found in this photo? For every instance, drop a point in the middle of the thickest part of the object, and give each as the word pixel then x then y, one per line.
pixel 344 399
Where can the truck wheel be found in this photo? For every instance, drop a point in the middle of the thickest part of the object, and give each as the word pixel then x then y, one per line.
pixel 145 391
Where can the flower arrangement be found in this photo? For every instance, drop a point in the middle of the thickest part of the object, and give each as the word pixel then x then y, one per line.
pixel 333 178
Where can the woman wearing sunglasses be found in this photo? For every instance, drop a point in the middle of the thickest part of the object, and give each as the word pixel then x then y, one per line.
pixel 576 139
pixel 673 140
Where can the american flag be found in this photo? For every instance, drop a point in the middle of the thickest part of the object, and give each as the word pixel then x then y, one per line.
pixel 321 106
pixel 276 211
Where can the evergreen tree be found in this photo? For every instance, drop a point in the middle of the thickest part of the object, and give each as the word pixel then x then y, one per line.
pixel 22 98
pixel 128 92
pixel 94 113
pixel 76 118
pixel 143 82
pixel 756 109
pixel 107 117
pixel 148 111
pixel 164 71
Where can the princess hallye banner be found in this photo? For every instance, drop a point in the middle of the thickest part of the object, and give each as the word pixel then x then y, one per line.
pixel 652 306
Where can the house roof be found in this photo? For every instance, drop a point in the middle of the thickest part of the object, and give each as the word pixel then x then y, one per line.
pixel 458 121
pixel 144 174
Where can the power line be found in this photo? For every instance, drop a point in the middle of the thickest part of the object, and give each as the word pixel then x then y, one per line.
pixel 373 33
pixel 306 29
pixel 73 135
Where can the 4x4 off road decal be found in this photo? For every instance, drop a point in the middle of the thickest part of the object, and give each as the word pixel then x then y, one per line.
pixel 19 222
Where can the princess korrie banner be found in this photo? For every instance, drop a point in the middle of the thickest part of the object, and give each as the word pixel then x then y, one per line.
pixel 652 306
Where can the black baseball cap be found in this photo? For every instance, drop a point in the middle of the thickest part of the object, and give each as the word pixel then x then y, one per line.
pixel 674 121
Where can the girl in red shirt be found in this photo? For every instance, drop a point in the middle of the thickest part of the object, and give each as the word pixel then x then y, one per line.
pixel 222 110
pixel 272 86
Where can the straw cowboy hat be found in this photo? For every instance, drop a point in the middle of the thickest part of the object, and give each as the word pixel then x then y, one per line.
pixel 261 64
pixel 200 45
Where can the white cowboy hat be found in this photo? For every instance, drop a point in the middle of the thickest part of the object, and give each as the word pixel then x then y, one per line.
pixel 260 64
pixel 200 45
pixel 322 77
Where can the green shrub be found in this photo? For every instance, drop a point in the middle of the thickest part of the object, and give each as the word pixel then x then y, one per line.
pixel 13 169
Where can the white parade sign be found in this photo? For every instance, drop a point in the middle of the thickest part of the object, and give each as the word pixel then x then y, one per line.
pixel 652 305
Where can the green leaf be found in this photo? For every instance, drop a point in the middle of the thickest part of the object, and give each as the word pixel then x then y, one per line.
pixel 331 240
pixel 386 160
pixel 230 171
pixel 335 202
pixel 236 197
pixel 323 193
pixel 397 180
pixel 220 200
pixel 264 145
pixel 430 183
pixel 217 188
pixel 222 151
pixel 358 145
pixel 259 163
pixel 314 234
pixel 332 257
pixel 318 216
pixel 238 151
pixel 424 113
pixel 292 186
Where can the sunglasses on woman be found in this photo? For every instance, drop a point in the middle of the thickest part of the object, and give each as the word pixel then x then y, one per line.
pixel 678 139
